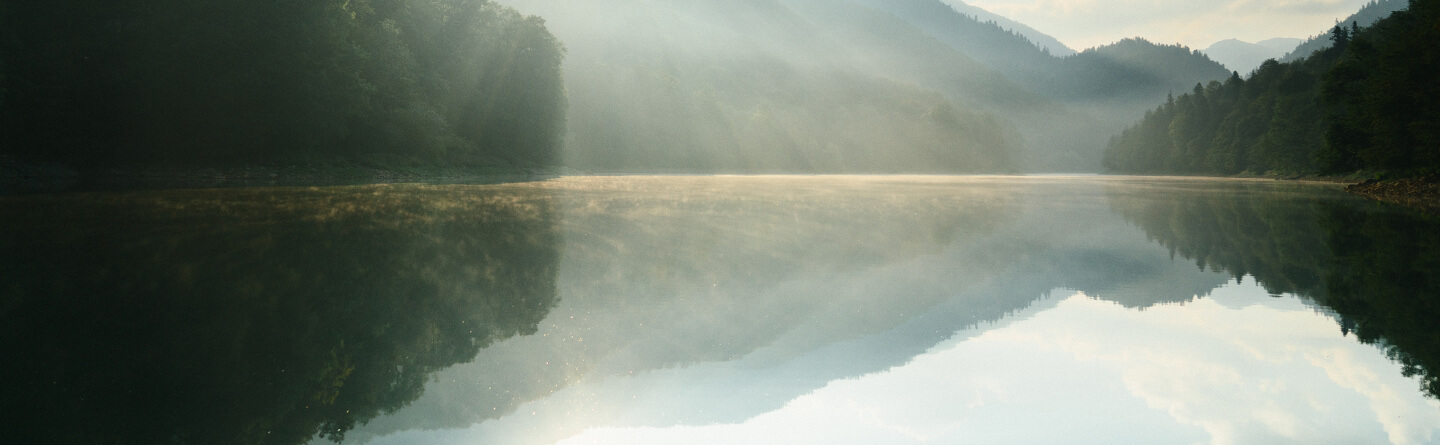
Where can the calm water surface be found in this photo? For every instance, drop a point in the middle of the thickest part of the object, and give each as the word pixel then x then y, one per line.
pixel 668 310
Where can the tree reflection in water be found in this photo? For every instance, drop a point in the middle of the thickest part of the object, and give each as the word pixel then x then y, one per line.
pixel 1376 266
pixel 256 315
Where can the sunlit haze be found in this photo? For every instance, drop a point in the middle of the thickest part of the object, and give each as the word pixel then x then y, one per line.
pixel 1195 23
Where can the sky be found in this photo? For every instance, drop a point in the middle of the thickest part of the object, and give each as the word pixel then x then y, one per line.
pixel 1083 24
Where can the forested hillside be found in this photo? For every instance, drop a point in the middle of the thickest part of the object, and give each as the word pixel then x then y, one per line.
pixel 1083 97
pixel 767 86
pixel 841 86
pixel 1371 102
pixel 1367 15
pixel 207 82
pixel 649 86
pixel 1128 70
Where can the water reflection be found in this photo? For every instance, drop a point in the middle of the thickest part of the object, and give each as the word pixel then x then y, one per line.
pixel 1376 266
pixel 1227 370
pixel 700 301
pixel 733 309
pixel 256 315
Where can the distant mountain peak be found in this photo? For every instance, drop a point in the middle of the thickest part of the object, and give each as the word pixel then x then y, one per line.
pixel 1244 57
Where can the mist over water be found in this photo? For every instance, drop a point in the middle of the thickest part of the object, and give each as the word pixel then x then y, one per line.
pixel 635 309
pixel 703 221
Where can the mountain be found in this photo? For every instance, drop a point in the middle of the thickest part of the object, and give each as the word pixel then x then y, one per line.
pixel 840 86
pixel 1369 14
pixel 1245 57
pixel 1042 40
pixel 1124 71
pixel 769 86
pixel 1367 105
pixel 1130 71
pixel 1091 94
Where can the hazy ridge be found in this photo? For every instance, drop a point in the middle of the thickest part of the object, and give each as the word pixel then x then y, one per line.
pixel 841 86
pixel 1244 57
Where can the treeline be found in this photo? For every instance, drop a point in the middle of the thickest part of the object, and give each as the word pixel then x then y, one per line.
pixel 1371 102
pixel 208 82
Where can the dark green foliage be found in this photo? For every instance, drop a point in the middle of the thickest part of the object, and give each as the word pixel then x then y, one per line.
pixel 1367 15
pixel 1270 235
pixel 1385 285
pixel 216 83
pixel 1384 94
pixel 1377 268
pixel 1371 102
pixel 1270 122
pixel 255 315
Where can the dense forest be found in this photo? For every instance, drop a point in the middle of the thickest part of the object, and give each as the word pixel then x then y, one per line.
pixel 1369 103
pixel 1367 15
pixel 187 82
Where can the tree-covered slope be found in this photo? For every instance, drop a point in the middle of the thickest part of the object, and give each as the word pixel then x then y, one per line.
pixel 1370 103
pixel 1082 97
pixel 769 86
pixel 1041 39
pixel 1128 71
pixel 1367 15
pixel 220 83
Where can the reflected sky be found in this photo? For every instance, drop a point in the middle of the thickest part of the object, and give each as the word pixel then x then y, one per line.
pixel 910 310
pixel 1235 368
pixel 690 309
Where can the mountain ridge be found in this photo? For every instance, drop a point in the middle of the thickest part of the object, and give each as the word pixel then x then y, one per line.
pixel 1244 57
pixel 840 86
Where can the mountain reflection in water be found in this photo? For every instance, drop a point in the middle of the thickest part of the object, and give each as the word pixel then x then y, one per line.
pixel 885 309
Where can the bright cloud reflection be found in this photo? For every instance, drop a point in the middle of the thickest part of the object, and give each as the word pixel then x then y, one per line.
pixel 1236 368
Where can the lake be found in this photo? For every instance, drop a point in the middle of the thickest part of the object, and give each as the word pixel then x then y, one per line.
pixel 715 309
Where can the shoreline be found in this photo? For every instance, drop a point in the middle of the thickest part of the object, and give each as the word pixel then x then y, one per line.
pixel 1421 193
pixel 20 178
